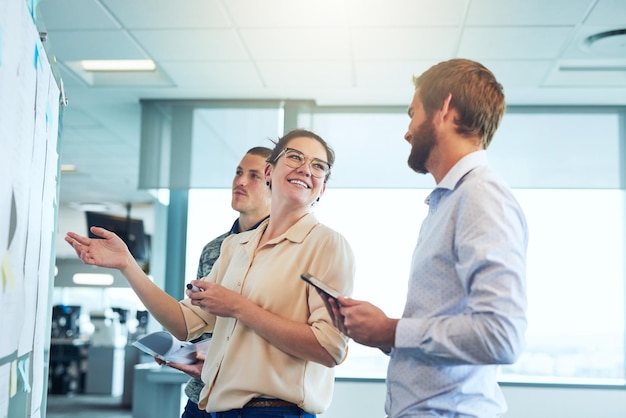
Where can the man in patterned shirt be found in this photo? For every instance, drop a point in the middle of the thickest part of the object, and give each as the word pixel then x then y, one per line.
pixel 251 198
pixel 465 311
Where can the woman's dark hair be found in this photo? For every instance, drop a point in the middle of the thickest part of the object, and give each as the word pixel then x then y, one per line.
pixel 282 142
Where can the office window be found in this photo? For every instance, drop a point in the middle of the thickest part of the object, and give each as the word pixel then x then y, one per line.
pixel 564 166
pixel 575 276
pixel 221 136
pixel 575 271
pixel 575 287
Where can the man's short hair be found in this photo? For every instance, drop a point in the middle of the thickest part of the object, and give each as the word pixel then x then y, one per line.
pixel 260 151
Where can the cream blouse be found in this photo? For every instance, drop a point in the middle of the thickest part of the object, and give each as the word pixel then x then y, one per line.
pixel 240 365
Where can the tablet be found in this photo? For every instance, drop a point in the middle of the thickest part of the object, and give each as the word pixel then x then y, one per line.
pixel 320 285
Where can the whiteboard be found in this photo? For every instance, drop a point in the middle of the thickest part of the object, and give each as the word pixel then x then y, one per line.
pixel 29 171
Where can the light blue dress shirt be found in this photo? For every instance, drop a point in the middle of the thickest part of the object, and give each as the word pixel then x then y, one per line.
pixel 466 305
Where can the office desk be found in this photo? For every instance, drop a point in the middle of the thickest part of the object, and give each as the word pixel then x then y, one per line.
pixel 105 370
pixel 157 391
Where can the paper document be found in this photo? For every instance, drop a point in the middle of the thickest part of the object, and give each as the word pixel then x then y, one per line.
pixel 165 346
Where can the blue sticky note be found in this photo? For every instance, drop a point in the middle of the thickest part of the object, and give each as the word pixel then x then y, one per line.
pixel 32 6
pixel 36 60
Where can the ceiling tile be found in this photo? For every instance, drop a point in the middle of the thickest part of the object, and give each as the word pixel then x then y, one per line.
pixel 329 74
pixel 101 136
pixel 120 118
pixel 167 14
pixel 94 45
pixel 212 74
pixel 404 44
pixel 359 96
pixel 191 45
pixel 71 136
pixel 399 13
pixel 608 12
pixel 286 13
pixel 76 118
pixel 508 72
pixel 513 43
pixel 297 44
pixel 527 12
pixel 392 74
pixel 70 79
pixel 75 14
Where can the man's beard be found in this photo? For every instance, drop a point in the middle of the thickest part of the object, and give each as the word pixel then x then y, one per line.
pixel 422 143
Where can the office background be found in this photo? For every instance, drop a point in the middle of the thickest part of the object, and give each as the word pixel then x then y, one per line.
pixel 232 73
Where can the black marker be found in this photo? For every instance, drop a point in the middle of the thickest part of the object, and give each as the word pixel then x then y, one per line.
pixel 193 288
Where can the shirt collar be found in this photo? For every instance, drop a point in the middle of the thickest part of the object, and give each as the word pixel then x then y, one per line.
pixel 297 233
pixel 235 229
pixel 461 168
pixel 455 175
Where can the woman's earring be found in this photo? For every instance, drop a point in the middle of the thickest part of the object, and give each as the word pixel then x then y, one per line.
pixel 318 199
pixel 267 183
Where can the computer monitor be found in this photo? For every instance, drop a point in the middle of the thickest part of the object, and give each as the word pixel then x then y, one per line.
pixel 128 229
pixel 65 321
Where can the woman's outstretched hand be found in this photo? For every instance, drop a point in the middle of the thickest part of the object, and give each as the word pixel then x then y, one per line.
pixel 110 251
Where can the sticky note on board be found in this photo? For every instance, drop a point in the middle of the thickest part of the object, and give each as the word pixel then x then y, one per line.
pixel 32 6
pixel 8 279
pixel 36 56
pixel 13 379
pixel 22 366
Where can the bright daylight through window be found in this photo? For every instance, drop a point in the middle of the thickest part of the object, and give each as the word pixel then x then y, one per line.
pixel 575 210
pixel 575 272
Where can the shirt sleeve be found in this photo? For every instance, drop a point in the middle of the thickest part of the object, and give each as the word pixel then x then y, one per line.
pixel 334 265
pixel 489 259
pixel 197 319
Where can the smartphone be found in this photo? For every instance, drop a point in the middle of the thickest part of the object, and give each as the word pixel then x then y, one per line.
pixel 318 284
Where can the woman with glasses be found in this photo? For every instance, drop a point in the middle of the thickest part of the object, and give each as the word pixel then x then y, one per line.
pixel 274 344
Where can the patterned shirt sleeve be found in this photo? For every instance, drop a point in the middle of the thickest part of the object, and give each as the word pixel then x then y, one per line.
pixel 210 254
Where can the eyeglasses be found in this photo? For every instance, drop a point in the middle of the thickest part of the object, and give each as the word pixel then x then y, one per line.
pixel 296 159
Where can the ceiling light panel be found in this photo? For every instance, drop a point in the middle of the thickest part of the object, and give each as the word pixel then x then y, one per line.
pixel 118 65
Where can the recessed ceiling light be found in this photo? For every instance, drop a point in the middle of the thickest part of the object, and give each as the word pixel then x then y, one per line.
pixel 68 168
pixel 91 279
pixel 118 65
